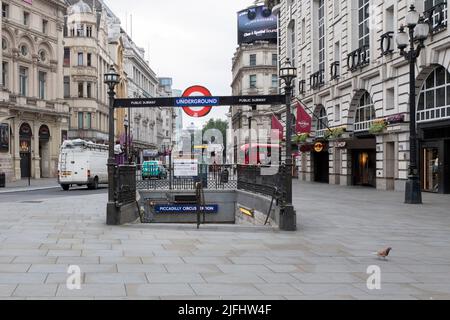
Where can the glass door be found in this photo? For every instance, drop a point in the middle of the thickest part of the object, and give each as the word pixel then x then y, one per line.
pixel 430 172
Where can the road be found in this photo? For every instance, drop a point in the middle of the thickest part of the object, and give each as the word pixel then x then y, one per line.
pixel 54 193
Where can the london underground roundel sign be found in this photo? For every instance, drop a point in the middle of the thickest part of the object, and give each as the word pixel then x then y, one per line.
pixel 197 112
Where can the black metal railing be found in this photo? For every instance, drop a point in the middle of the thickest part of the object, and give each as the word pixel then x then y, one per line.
pixel 335 70
pixel 268 181
pixel 358 59
pixel 387 43
pixel 125 186
pixel 316 80
pixel 213 177
pixel 437 17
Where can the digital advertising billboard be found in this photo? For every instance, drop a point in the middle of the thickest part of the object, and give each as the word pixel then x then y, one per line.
pixel 256 23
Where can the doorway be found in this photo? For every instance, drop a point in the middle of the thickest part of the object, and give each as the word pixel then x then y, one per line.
pixel 430 174
pixel 25 135
pixel 321 166
pixel 364 168
pixel 44 151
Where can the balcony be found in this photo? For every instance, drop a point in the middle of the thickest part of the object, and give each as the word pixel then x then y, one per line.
pixel 358 58
pixel 437 17
pixel 387 43
pixel 316 80
pixel 320 133
pixel 363 126
pixel 335 70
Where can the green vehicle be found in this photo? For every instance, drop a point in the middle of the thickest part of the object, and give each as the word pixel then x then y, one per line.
pixel 153 169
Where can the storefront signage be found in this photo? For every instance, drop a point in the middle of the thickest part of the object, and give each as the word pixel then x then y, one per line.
pixel 151 153
pixel 186 208
pixel 24 146
pixel 341 144
pixel 185 167
pixel 319 147
pixel 304 121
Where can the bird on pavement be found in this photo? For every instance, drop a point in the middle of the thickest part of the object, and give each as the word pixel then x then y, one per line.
pixel 383 253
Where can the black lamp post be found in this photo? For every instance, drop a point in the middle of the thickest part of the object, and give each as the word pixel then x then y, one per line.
pixel 288 217
pixel 111 79
pixel 418 30
pixel 125 124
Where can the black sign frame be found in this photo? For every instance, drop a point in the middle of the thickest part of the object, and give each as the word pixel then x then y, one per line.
pixel 221 101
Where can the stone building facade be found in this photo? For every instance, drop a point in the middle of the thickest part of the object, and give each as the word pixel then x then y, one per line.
pixel 34 119
pixel 255 72
pixel 92 42
pixel 355 85
pixel 142 83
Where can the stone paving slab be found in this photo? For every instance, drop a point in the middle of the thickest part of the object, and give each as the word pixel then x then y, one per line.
pixel 327 258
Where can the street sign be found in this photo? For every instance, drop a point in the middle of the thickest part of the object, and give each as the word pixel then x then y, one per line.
pixel 187 103
pixel 185 208
pixel 185 167
pixel 196 101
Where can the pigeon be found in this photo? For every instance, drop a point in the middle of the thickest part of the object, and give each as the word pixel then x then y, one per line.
pixel 383 253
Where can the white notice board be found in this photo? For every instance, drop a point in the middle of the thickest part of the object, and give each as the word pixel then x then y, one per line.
pixel 185 167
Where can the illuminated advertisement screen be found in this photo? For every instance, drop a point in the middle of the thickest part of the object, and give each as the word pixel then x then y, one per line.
pixel 256 23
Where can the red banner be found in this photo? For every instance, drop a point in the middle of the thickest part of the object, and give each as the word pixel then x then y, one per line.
pixel 304 120
pixel 276 125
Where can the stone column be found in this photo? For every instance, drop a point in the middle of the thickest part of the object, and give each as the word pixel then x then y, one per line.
pixel 16 150
pixel 35 159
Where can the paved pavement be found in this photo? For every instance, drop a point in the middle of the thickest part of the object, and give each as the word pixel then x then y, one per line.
pixel 327 258
pixel 35 184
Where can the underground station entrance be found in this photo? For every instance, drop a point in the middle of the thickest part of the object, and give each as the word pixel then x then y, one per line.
pixel 192 192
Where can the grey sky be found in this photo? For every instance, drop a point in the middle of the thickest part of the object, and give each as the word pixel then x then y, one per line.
pixel 191 41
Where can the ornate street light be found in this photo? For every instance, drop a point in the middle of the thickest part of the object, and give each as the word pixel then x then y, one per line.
pixel 418 30
pixel 111 79
pixel 288 216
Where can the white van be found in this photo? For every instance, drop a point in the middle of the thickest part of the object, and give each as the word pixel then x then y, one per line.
pixel 82 163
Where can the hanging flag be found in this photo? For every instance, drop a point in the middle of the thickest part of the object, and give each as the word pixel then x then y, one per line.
pixel 276 125
pixel 304 120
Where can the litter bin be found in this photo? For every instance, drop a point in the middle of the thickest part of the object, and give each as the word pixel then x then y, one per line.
pixel 2 179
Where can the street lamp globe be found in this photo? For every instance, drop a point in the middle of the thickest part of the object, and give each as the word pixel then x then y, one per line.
pixel 288 73
pixel 402 38
pixel 422 30
pixel 412 17
pixel 111 77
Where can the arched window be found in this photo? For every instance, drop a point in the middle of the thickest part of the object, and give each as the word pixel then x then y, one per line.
pixel 434 99
pixel 365 113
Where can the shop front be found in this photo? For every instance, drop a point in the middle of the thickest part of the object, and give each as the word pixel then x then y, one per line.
pixel 363 154
pixel 435 157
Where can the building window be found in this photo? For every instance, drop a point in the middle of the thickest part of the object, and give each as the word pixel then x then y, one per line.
pixel 390 98
pixel 434 99
pixel 337 113
pixel 24 50
pixel 253 60
pixel 26 18
pixel 42 84
pixel 363 25
pixel 89 31
pixel 253 81
pixel 80 89
pixel 89 59
pixel 337 7
pixel 437 10
pixel 274 59
pixel 80 30
pixel 44 26
pixel 66 57
pixel 5 10
pixel 274 81
pixel 80 120
pixel 80 58
pixel 23 80
pixel 66 87
pixel 321 35
pixel 88 120
pixel 89 90
pixel 291 43
pixel 365 113
pixel 5 74
pixel 322 119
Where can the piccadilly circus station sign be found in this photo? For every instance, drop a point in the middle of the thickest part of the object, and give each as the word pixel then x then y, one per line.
pixel 205 103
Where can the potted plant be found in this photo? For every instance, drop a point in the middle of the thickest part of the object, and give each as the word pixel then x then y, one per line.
pixel 301 138
pixel 378 126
